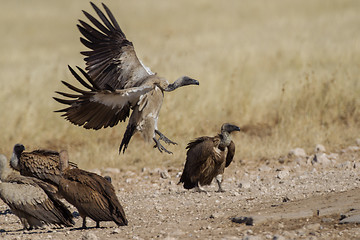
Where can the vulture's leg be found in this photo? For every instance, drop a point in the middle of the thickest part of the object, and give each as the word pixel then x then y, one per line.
pixel 164 138
pixel 84 222
pixel 198 188
pixel 97 224
pixel 219 181
pixel 160 147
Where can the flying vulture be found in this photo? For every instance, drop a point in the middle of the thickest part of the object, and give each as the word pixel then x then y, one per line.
pixel 116 82
pixel 207 158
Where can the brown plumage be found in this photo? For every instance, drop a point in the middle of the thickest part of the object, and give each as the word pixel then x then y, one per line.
pixel 116 82
pixel 207 157
pixel 41 164
pixel 31 199
pixel 91 194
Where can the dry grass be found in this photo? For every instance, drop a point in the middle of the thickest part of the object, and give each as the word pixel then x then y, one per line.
pixel 288 71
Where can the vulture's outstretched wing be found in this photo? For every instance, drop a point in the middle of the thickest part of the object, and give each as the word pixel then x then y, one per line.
pixel 111 59
pixel 97 108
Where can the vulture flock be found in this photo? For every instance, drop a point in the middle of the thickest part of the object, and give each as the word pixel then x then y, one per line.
pixel 116 85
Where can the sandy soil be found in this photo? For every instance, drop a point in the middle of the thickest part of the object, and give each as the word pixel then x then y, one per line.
pixel 287 198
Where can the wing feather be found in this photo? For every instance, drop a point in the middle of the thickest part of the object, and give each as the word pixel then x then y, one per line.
pixel 95 108
pixel 111 59
pixel 230 153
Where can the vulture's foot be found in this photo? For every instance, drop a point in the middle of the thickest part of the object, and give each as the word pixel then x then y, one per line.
pixel 160 147
pixel 219 179
pixel 199 189
pixel 83 223
pixel 164 138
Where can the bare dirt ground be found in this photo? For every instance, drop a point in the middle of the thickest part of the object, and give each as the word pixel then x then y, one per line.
pixel 287 198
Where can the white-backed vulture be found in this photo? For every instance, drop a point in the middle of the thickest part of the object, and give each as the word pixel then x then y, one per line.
pixel 91 194
pixel 117 82
pixel 31 199
pixel 207 157
pixel 41 164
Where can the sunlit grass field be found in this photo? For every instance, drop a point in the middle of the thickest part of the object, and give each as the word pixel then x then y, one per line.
pixel 288 72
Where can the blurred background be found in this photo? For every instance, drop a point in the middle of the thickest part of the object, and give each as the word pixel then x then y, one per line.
pixel 287 72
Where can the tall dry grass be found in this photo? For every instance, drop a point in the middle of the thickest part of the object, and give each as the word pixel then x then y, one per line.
pixel 287 71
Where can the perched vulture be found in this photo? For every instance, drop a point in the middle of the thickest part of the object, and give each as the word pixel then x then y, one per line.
pixel 31 199
pixel 91 194
pixel 41 164
pixel 207 157
pixel 116 81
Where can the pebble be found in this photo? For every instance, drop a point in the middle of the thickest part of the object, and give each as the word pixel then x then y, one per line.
pixel 217 215
pixel 245 185
pixel 283 174
pixel 112 170
pixel 353 148
pixel 321 158
pixel 358 141
pixel 319 148
pixel 89 236
pixel 351 219
pixel 265 168
pixel 164 174
pixel 297 152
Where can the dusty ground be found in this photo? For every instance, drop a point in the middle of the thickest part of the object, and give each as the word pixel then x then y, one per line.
pixel 287 198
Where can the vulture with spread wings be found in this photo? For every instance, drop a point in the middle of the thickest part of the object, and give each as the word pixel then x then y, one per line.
pixel 116 82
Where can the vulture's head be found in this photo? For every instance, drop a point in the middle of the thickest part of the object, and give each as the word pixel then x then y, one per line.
pixel 18 149
pixel 180 82
pixel 227 127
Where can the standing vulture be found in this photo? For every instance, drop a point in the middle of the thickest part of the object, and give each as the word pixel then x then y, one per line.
pixel 31 199
pixel 116 81
pixel 91 194
pixel 41 164
pixel 207 158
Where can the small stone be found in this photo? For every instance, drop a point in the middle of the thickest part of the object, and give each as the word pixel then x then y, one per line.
pixel 217 215
pixel 333 156
pixel 327 220
pixel 313 227
pixel 112 170
pixel 283 174
pixel 353 148
pixel 265 168
pixel 319 148
pixel 279 237
pixel 116 231
pixel 245 185
pixel 247 220
pixel 165 174
pixel 297 152
pixel 89 236
pixel 358 141
pixel 351 219
pixel 321 158
pixel 252 237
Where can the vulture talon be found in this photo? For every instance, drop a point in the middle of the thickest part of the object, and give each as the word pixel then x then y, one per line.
pixel 164 138
pixel 159 146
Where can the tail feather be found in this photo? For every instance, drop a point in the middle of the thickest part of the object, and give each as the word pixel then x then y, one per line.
pixel 130 130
